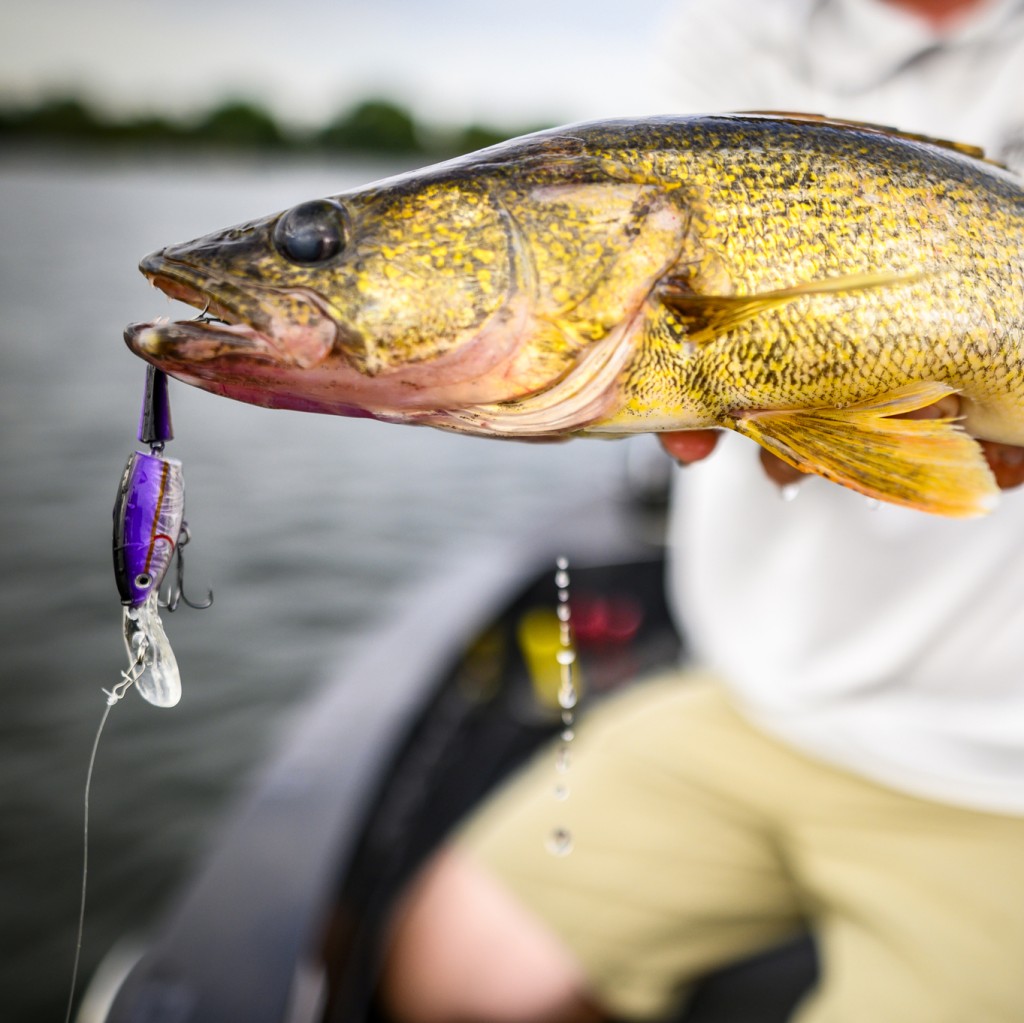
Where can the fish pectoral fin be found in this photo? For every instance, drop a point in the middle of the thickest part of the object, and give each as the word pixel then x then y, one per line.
pixel 931 465
pixel 709 316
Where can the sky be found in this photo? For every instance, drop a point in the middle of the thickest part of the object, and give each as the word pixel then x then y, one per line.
pixel 451 61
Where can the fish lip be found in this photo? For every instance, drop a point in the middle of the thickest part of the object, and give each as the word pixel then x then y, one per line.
pixel 189 341
pixel 179 281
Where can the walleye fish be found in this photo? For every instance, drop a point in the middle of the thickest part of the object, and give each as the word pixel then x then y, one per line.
pixel 799 280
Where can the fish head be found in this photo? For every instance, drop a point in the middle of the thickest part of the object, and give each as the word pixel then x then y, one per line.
pixel 350 303
pixel 467 286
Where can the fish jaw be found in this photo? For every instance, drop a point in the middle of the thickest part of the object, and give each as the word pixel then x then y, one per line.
pixel 236 361
pixel 292 327
pixel 257 350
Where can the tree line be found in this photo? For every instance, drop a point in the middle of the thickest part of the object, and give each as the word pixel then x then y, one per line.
pixel 372 126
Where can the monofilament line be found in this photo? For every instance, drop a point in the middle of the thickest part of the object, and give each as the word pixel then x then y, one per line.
pixel 80 930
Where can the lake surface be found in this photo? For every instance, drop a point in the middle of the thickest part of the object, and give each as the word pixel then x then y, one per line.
pixel 308 528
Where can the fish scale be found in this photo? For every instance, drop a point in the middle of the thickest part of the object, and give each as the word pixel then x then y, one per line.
pixel 802 281
pixel 984 235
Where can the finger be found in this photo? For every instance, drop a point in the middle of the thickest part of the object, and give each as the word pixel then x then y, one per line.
pixel 688 446
pixel 947 407
pixel 1006 461
pixel 778 471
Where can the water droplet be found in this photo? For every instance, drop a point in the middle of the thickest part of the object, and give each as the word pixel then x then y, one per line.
pixel 790 491
pixel 873 503
pixel 559 842
pixel 562 563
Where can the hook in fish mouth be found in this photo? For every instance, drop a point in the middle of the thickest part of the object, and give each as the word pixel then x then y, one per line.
pixel 290 327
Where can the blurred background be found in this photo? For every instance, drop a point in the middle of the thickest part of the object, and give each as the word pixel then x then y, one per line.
pixel 126 125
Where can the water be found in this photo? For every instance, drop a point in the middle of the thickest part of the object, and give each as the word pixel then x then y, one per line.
pixel 560 842
pixel 308 528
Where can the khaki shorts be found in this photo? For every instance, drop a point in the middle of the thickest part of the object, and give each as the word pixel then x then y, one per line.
pixel 698 840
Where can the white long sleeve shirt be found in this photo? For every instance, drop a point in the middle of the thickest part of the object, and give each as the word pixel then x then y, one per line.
pixel 883 640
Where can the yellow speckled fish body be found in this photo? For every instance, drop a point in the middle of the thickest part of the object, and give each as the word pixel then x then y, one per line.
pixel 798 280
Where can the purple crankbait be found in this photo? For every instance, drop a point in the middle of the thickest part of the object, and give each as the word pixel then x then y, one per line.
pixel 149 531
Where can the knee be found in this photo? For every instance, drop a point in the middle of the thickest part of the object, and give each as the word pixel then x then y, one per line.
pixel 461 948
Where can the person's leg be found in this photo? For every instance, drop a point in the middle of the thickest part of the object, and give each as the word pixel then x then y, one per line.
pixel 465 949
pixel 921 907
pixel 673 870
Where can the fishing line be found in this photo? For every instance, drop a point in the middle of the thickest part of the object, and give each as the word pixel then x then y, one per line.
pixel 80 930
pixel 114 695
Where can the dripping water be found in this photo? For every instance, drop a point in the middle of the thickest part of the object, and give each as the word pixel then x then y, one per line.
pixel 560 841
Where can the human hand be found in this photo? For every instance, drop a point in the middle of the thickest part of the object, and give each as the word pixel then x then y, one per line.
pixel 1005 460
pixel 689 446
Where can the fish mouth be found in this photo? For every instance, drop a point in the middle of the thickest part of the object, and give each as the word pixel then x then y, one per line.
pixel 289 327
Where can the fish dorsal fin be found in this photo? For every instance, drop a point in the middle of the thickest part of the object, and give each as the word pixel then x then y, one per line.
pixel 709 316
pixel 964 148
pixel 928 464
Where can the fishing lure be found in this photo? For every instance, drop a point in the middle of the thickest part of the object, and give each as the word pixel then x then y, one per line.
pixel 149 532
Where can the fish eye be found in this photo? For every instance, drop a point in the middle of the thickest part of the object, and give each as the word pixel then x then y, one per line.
pixel 143 579
pixel 310 233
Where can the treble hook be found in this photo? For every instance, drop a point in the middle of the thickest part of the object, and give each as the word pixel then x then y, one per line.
pixel 176 591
